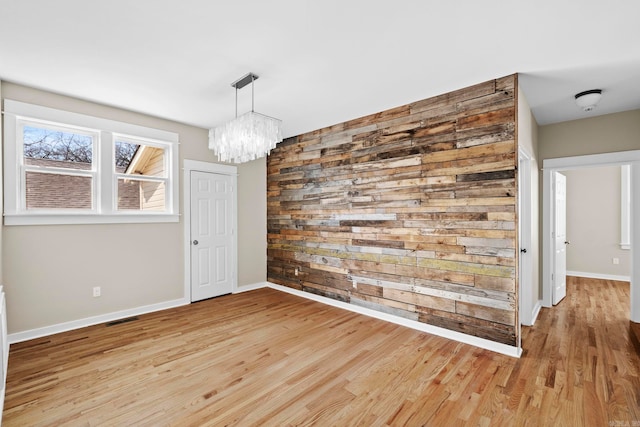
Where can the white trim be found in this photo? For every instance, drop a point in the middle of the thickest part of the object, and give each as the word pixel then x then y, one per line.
pixel 634 289
pixel 4 350
pixel 196 165
pixel 55 219
pixel 423 327
pixel 251 287
pixel 599 276
pixel 548 217
pixel 536 310
pixel 104 178
pixel 592 160
pixel 625 207
pixel 525 270
pixel 94 320
pixel 616 159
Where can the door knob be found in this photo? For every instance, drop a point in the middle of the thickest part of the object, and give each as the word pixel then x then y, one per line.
pixel 567 242
pixel 195 242
pixel 524 251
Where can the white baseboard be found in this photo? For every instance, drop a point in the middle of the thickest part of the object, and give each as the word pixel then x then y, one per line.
pixel 423 327
pixel 599 276
pixel 250 287
pixel 536 311
pixel 94 320
pixel 530 321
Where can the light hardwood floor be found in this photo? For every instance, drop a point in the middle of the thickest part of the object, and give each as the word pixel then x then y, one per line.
pixel 269 358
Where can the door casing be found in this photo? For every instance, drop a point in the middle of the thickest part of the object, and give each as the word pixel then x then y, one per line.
pixel 525 264
pixel 195 165
pixel 549 166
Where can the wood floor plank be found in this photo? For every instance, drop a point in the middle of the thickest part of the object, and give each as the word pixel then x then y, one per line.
pixel 269 358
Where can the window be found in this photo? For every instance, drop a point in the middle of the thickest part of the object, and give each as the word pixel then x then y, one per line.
pixel 66 168
pixel 141 174
pixel 56 166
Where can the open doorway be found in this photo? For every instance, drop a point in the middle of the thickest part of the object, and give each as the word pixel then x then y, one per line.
pixel 549 264
pixel 598 247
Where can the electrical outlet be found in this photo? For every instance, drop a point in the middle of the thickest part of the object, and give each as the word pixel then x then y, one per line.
pixel 616 261
pixel 96 291
pixel 355 284
pixel 296 272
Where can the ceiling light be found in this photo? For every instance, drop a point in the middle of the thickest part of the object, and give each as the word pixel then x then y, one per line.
pixel 248 137
pixel 588 99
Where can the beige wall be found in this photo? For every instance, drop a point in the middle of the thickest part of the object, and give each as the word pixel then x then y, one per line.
pixel 596 135
pixel 252 222
pixel 528 141
pixel 593 222
pixel 51 269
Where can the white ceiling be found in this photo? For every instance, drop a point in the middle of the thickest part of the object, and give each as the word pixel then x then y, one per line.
pixel 320 62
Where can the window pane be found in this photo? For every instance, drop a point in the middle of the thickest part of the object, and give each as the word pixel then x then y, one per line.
pixel 55 191
pixel 139 159
pixel 56 148
pixel 141 195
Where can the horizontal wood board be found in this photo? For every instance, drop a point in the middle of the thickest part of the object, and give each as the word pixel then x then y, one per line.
pixel 411 211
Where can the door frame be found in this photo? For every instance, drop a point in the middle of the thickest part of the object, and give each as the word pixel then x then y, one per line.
pixel 549 166
pixel 525 264
pixel 220 169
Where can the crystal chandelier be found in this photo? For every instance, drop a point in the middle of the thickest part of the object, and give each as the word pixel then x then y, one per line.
pixel 248 137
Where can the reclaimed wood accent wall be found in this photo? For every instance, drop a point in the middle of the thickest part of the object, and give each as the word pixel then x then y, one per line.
pixel 411 211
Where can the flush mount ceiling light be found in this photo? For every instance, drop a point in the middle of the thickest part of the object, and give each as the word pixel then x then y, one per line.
pixel 248 137
pixel 588 99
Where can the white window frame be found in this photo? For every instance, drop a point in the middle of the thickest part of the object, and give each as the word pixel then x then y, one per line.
pixel 103 167
pixel 24 168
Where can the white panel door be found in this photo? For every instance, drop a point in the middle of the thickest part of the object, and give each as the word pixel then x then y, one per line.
pixel 526 290
pixel 560 239
pixel 212 241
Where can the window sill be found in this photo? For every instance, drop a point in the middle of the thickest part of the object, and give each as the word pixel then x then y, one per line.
pixel 72 219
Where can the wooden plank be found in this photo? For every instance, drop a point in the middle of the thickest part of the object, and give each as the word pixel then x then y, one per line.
pixel 467 267
pixel 468 325
pixel 485 135
pixel 395 308
pixel 484 301
pixel 506 317
pixel 496 283
pixel 487 176
pixel 378 243
pixel 422 300
pixel 505 115
pixel 452 98
pixel 365 217
pixel 471 152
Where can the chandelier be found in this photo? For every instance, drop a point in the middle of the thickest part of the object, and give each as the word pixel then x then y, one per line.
pixel 248 137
